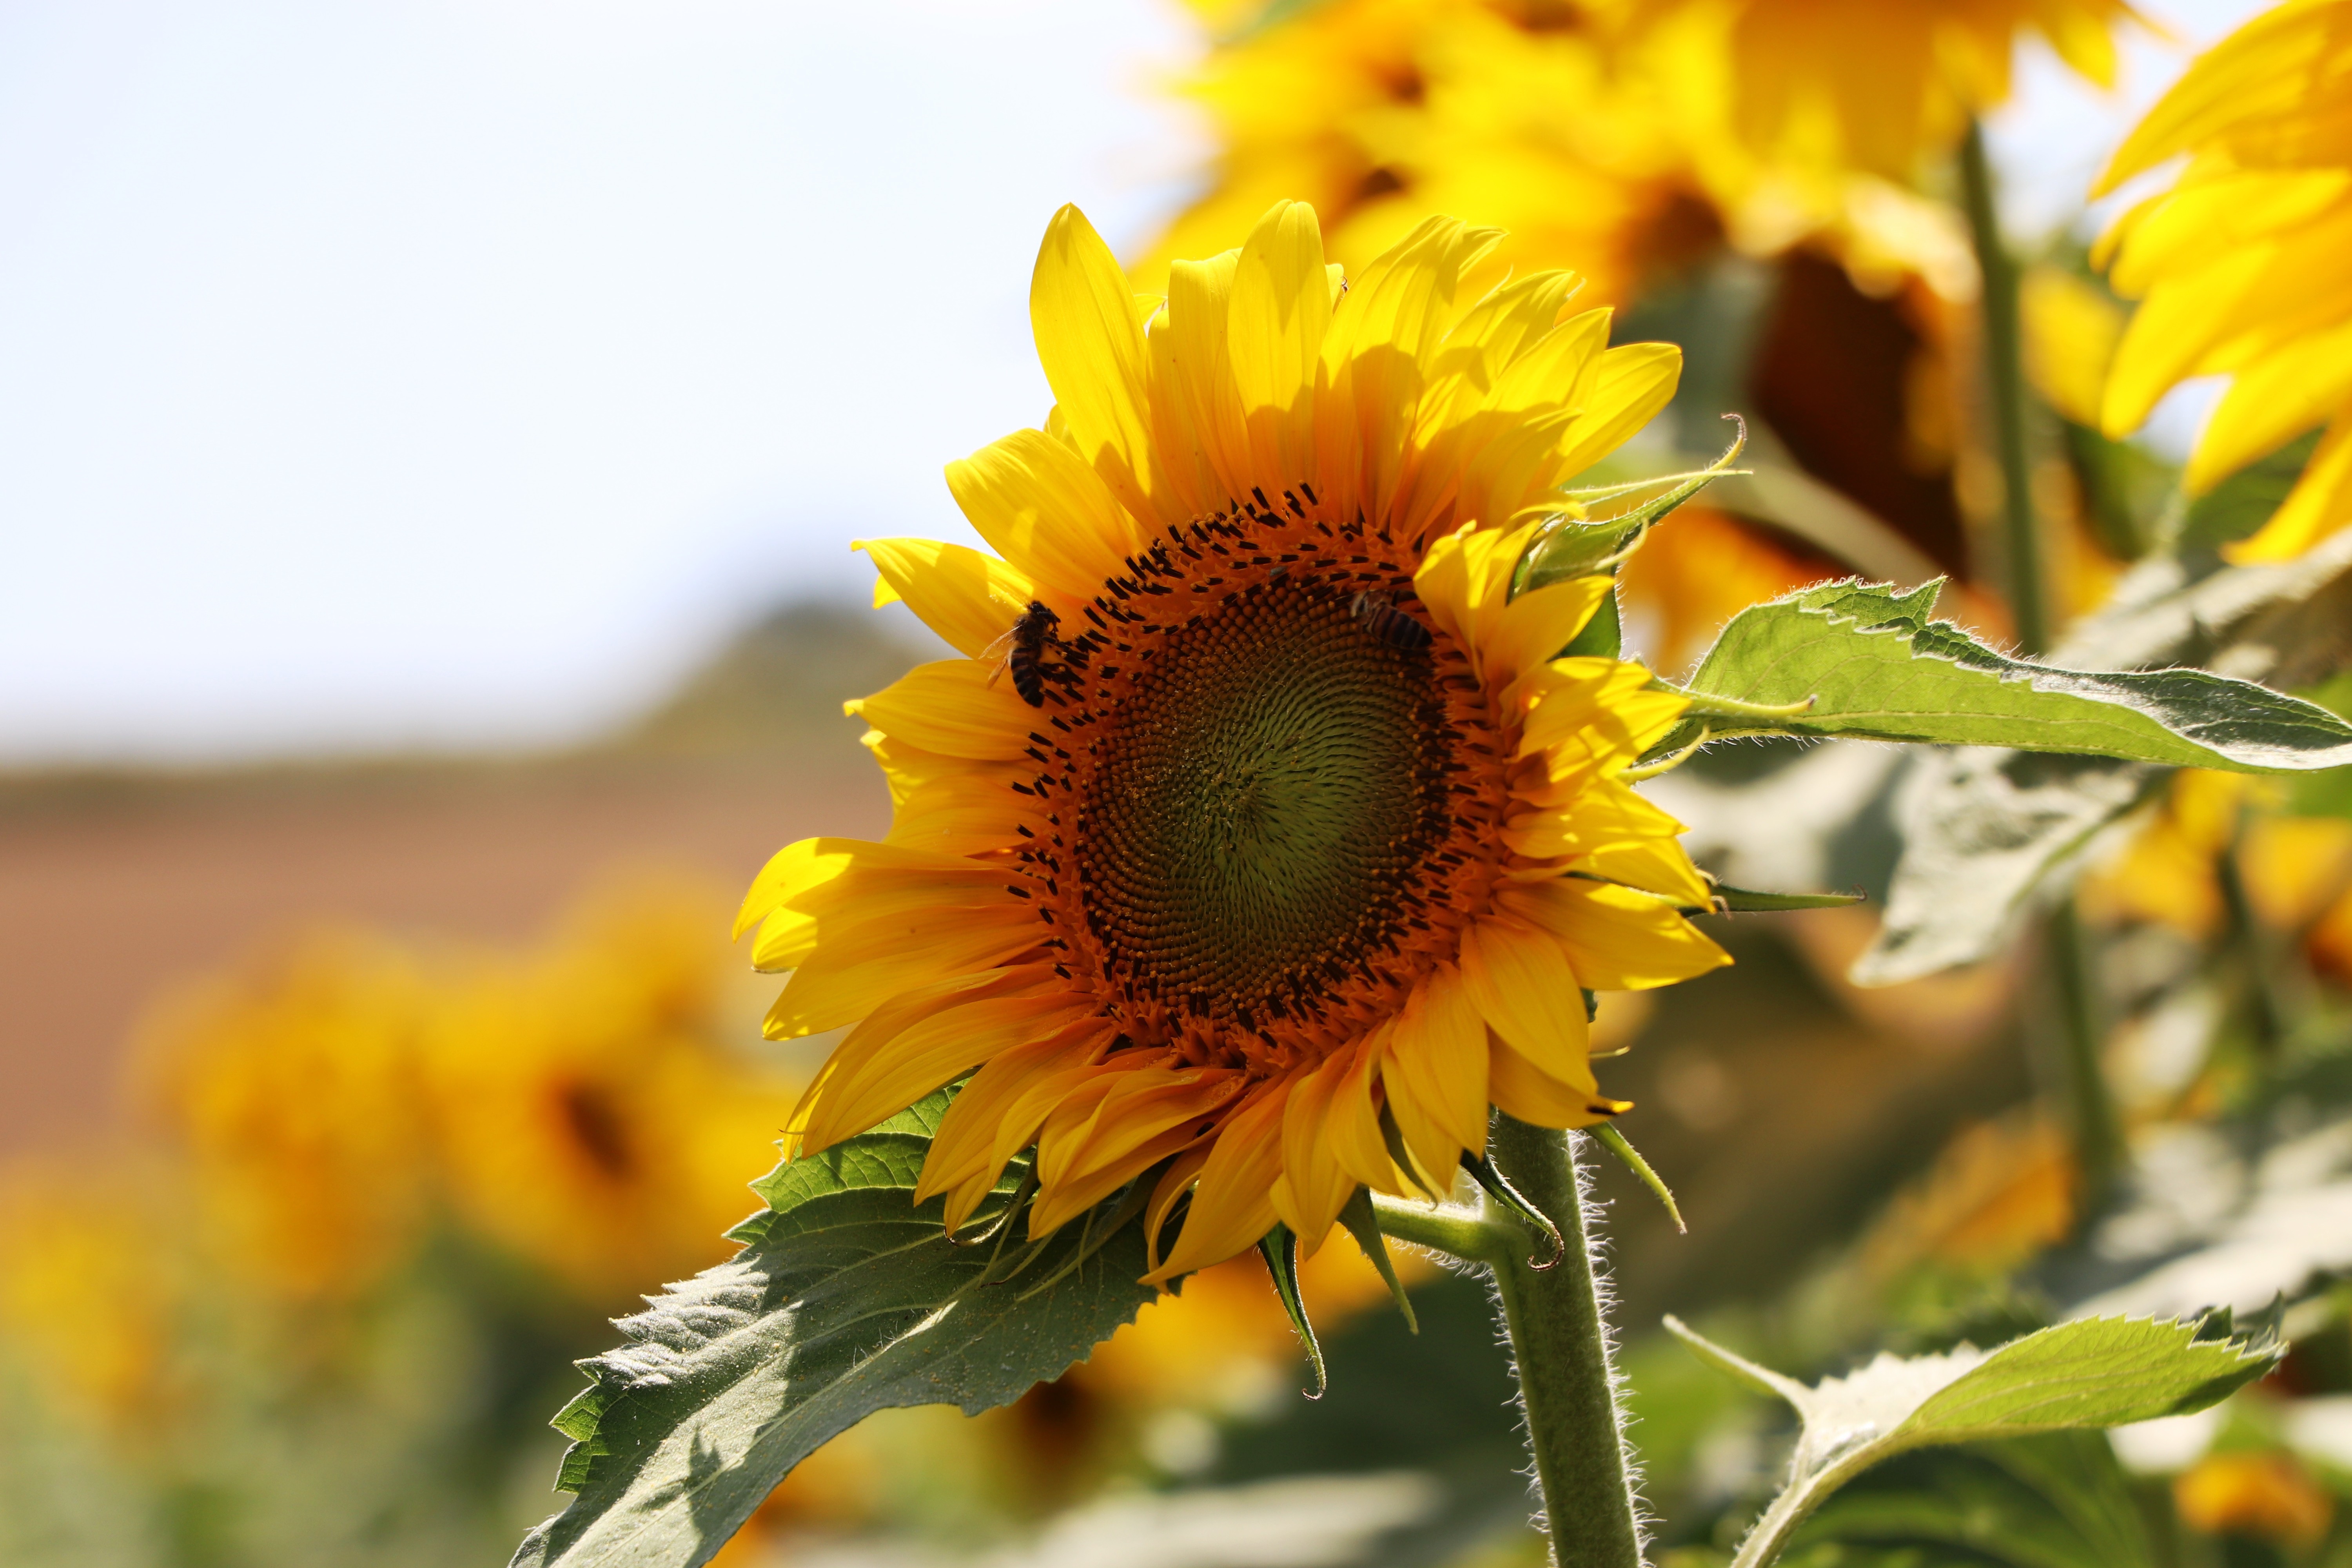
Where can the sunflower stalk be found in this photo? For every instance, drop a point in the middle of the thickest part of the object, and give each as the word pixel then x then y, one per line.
pixel 1561 1350
pixel 2097 1141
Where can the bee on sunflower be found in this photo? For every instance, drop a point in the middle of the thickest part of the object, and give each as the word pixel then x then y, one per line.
pixel 1304 846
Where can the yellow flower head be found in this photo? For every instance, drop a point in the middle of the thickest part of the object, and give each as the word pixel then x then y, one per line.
pixel 2244 265
pixel 1289 825
pixel 1869 85
pixel 291 1086
pixel 1386 112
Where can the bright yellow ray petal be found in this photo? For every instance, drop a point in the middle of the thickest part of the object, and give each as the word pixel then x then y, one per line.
pixel 1046 513
pixel 1536 625
pixel 1435 1075
pixel 845 980
pixel 951 707
pixel 1089 341
pixel 1233 1206
pixel 1634 384
pixel 1523 985
pixel 963 1152
pixel 1315 1186
pixel 1619 940
pixel 967 598
pixel 878 1081
pixel 2320 504
pixel 2288 391
pixel 1280 308
pixel 1525 1090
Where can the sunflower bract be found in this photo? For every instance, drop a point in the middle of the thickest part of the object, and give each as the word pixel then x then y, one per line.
pixel 1309 838
pixel 2243 265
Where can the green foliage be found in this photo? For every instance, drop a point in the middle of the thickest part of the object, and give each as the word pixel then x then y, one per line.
pixel 2096 1371
pixel 2058 1501
pixel 1874 667
pixel 846 1298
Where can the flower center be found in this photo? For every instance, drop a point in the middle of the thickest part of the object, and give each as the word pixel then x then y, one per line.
pixel 1261 803
pixel 1267 796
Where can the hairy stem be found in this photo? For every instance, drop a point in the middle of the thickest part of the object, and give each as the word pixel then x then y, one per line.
pixel 1560 1345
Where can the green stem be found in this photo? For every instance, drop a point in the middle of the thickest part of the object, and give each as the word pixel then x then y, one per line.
pixel 2005 387
pixel 1560 1345
pixel 1458 1233
pixel 2097 1134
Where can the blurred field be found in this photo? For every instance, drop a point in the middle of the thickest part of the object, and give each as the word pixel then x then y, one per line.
pixel 117 886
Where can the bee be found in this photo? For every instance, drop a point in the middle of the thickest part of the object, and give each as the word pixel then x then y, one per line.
pixel 1023 648
pixel 1378 615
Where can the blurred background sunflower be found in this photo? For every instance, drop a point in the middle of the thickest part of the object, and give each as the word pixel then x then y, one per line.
pixel 429 444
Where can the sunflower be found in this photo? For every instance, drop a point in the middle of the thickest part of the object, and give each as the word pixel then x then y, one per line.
pixel 1385 112
pixel 1862 85
pixel 1307 837
pixel 2243 265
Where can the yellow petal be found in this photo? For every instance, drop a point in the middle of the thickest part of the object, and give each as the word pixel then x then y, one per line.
pixel 962 1154
pixel 2320 504
pixel 1046 513
pixel 1233 1206
pixel 1536 625
pixel 1435 1075
pixel 1528 1092
pixel 877 1083
pixel 1634 384
pixel 1316 1186
pixel 952 709
pixel 1618 940
pixel 970 599
pixel 1280 308
pixel 2280 395
pixel 1523 985
pixel 868 964
pixel 1091 346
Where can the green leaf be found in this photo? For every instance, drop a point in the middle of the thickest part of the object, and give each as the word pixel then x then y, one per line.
pixel 846 1298
pixel 1986 832
pixel 1873 666
pixel 2097 1372
pixel 2059 1500
pixel 1982 833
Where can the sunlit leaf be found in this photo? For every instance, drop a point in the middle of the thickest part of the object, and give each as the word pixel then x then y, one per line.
pixel 1874 665
pixel 2097 1372
pixel 845 1300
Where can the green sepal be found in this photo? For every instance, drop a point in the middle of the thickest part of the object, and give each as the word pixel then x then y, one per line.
pixel 1365 1227
pixel 1498 1187
pixel 1279 1247
pixel 1617 1143
pixel 1731 900
pixel 1604 635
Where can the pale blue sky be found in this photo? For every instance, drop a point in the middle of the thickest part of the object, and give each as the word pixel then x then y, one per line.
pixel 457 371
